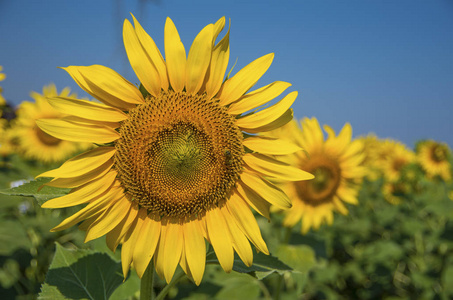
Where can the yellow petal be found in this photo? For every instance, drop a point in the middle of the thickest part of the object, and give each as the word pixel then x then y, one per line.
pixel 258 97
pixel 240 83
pixel 142 64
pixel 82 163
pixel 172 249
pixel 267 115
pixel 108 220
pixel 73 182
pixel 219 236
pixel 219 64
pixel 130 239
pixel 195 249
pixel 218 27
pixel 77 132
pixel 146 245
pixel 87 109
pixel 114 237
pixel 246 221
pixel 106 85
pixel 269 145
pixel 175 55
pixel 257 202
pixel 199 59
pixel 267 190
pixel 153 53
pixel 100 204
pixel 240 242
pixel 281 121
pixel 271 167
pixel 82 194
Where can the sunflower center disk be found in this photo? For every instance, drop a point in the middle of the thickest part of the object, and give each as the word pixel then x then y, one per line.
pixel 327 179
pixel 439 154
pixel 178 154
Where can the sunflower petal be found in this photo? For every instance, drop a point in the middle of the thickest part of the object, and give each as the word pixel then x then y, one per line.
pixel 142 64
pixel 175 55
pixel 172 249
pixel 257 202
pixel 267 115
pixel 87 109
pixel 240 83
pixel 127 251
pixel 269 166
pixel 219 64
pixel 219 236
pixel 153 52
pixel 113 238
pixel 258 97
pixel 146 245
pixel 77 132
pixel 82 163
pixel 267 190
pixel 199 59
pixel 195 249
pixel 269 145
pixel 106 85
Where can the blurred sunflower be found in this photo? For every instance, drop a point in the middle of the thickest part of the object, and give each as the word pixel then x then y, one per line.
pixel 399 157
pixel 395 191
pixel 8 139
pixel 434 158
pixel 2 100
pixel 371 146
pixel 171 168
pixel 33 142
pixel 336 165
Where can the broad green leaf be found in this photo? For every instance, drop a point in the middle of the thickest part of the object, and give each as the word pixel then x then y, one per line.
pixel 30 189
pixel 300 257
pixel 263 265
pixel 241 286
pixel 81 274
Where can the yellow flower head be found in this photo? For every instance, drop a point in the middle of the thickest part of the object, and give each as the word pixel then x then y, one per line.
pixel 8 139
pixel 395 191
pixel 336 165
pixel 399 157
pixel 33 142
pixel 171 169
pixel 434 158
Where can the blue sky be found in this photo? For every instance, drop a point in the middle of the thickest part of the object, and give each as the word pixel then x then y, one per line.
pixel 384 66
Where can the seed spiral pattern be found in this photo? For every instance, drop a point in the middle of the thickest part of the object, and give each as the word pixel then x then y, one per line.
pixel 179 154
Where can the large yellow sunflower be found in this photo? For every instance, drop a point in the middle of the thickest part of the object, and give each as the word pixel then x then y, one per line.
pixel 173 166
pixel 434 158
pixel 336 165
pixel 35 143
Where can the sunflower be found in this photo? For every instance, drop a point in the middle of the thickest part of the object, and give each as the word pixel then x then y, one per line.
pixel 35 143
pixel 371 144
pixel 336 165
pixel 434 158
pixel 173 166
pixel 2 100
pixel 394 192
pixel 8 139
pixel 399 157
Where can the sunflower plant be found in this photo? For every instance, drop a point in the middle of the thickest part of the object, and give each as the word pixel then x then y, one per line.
pixel 178 163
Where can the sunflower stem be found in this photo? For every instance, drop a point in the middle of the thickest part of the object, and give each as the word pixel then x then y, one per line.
pixel 147 283
pixel 179 275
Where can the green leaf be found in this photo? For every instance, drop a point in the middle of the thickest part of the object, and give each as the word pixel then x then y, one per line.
pixel 263 265
pixel 30 189
pixel 12 237
pixel 81 274
pixel 300 257
pixel 240 286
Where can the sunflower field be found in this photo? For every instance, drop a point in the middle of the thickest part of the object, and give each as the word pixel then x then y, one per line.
pixel 191 185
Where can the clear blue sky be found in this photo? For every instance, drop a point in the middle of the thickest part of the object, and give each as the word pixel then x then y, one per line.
pixel 384 66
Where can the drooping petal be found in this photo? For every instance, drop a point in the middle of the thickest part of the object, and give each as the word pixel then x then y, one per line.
pixel 142 64
pixel 153 53
pixel 269 166
pixel 146 244
pixel 195 249
pixel 258 97
pixel 219 64
pixel 267 115
pixel 269 145
pixel 113 238
pixel 267 190
pixel 87 109
pixel 199 59
pixel 106 85
pixel 279 122
pixel 219 236
pixel 130 239
pixel 240 83
pixel 246 221
pixel 175 55
pixel 252 198
pixel 82 163
pixel 77 132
